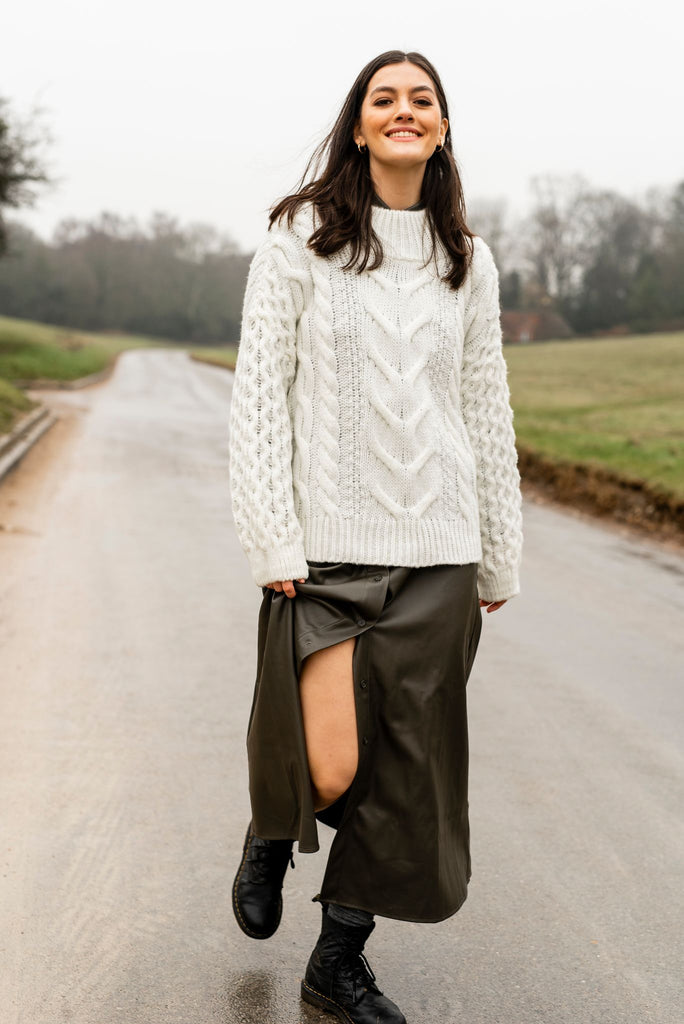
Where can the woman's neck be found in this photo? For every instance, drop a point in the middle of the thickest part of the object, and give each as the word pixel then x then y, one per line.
pixel 400 189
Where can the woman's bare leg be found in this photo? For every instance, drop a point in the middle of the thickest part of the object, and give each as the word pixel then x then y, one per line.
pixel 329 712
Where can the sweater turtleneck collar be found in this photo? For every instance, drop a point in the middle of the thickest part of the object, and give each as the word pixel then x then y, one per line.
pixel 402 232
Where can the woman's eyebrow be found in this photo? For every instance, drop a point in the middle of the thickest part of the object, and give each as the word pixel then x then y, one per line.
pixel 390 88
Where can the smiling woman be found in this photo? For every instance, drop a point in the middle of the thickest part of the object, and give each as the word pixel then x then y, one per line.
pixel 376 494
pixel 401 126
pixel 395 93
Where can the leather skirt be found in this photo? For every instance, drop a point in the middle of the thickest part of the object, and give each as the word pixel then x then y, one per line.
pixel 401 849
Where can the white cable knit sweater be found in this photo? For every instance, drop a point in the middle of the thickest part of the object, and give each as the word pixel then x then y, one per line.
pixel 370 419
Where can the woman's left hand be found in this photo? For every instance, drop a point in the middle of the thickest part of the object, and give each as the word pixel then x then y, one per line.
pixel 491 606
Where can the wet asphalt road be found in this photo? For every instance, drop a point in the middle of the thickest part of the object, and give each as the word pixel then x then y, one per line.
pixel 127 647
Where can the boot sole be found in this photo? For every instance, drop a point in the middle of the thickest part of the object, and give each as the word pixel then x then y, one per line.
pixel 236 905
pixel 314 998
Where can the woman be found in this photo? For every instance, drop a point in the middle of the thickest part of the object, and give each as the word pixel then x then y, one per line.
pixel 376 494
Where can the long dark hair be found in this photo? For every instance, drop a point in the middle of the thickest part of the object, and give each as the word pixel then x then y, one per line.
pixel 343 193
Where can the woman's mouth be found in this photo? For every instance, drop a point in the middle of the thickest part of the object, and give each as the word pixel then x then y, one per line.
pixel 403 134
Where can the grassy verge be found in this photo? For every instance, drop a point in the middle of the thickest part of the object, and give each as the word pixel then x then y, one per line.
pixel 615 404
pixel 13 405
pixel 31 351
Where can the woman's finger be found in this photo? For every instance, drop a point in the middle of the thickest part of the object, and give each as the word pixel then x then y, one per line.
pixel 286 585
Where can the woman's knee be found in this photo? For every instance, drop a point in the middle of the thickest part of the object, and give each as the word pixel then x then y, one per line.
pixel 331 782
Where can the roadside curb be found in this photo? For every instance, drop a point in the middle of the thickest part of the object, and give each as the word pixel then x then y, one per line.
pixel 23 436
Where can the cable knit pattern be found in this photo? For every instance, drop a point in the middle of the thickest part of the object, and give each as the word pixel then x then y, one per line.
pixel 371 420
pixel 328 406
pixel 488 418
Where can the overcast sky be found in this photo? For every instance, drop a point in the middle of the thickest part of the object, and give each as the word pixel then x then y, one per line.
pixel 209 113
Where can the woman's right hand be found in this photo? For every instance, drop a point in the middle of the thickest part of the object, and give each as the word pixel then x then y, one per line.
pixel 287 586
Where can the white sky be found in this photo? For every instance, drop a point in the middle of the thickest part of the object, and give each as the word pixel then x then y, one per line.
pixel 209 113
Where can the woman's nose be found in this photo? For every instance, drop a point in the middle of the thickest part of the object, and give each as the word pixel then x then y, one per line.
pixel 404 109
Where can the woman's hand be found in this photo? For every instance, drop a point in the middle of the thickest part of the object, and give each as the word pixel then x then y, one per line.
pixel 491 606
pixel 287 586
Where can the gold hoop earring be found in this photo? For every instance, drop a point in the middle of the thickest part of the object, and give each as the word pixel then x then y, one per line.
pixel 439 148
pixel 362 149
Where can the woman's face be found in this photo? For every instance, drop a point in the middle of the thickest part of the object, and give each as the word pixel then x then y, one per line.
pixel 400 119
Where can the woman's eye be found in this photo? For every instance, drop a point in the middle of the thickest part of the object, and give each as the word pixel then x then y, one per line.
pixel 428 103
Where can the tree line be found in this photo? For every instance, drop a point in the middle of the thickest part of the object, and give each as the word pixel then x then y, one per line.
pixel 184 283
pixel 109 272
pixel 600 260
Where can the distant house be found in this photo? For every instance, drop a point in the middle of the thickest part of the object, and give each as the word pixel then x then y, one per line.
pixel 521 326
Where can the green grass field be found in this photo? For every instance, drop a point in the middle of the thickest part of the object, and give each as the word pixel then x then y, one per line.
pixel 612 402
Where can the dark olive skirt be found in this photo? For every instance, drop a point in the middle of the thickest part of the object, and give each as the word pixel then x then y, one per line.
pixel 402 844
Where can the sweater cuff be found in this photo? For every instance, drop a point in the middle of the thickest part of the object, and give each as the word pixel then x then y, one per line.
pixel 498 586
pixel 286 563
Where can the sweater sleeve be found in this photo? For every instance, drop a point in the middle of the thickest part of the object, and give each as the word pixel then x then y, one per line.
pixel 260 446
pixel 488 418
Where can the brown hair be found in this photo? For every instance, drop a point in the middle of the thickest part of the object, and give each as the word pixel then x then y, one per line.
pixel 343 193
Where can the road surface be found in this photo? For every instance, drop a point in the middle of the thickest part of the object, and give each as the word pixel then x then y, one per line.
pixel 128 646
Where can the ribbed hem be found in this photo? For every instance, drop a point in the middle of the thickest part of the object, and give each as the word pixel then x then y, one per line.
pixel 418 543
pixel 421 543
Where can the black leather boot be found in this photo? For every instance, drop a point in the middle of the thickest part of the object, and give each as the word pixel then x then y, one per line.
pixel 339 979
pixel 257 889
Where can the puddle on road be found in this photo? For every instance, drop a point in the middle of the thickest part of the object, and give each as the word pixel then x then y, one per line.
pixel 23 530
pixel 256 997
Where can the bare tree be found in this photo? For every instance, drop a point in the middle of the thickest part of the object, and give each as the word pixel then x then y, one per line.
pixel 489 219
pixel 557 232
pixel 22 168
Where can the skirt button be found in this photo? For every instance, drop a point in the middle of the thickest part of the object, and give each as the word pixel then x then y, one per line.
pixel 377 579
pixel 360 622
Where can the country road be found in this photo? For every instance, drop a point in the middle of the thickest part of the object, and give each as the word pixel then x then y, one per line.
pixel 127 654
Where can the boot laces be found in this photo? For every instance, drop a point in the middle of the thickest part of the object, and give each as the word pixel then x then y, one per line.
pixel 262 863
pixel 354 966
